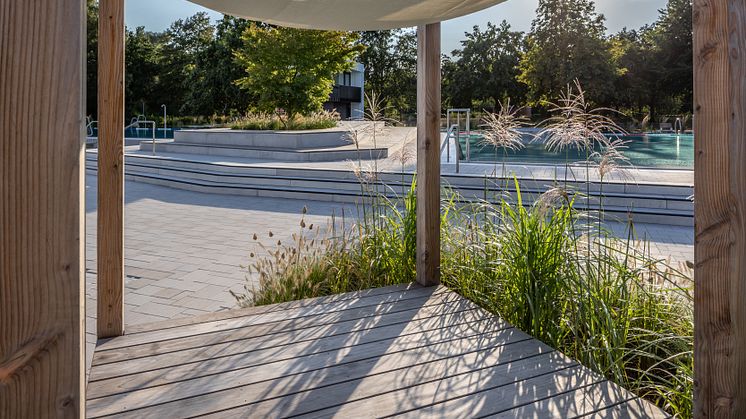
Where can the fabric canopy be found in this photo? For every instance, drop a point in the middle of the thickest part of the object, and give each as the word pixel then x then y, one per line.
pixel 348 15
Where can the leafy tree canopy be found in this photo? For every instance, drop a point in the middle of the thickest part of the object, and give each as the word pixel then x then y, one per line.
pixel 293 69
pixel 567 43
pixel 486 68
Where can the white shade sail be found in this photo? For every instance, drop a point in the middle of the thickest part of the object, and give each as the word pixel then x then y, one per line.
pixel 348 14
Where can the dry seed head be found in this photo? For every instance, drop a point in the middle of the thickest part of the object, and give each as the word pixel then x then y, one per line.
pixel 552 197
pixel 502 128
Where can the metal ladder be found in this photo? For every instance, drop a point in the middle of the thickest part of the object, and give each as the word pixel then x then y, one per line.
pixel 453 133
pixel 458 112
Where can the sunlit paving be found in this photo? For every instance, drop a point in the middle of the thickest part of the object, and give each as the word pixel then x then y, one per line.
pixel 410 208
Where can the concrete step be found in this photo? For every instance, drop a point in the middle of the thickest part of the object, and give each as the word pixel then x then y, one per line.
pixel 266 153
pixel 627 189
pixel 342 186
pixel 263 139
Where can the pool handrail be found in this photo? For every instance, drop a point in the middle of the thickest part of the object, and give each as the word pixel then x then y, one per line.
pixel 454 132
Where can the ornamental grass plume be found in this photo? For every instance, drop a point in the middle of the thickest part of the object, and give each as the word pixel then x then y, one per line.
pixel 502 131
pixel 576 124
pixel 612 159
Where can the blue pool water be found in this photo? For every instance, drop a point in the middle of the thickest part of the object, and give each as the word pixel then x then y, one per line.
pixel 643 150
pixel 145 133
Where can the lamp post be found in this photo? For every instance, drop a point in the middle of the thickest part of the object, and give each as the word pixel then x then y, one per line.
pixel 164 121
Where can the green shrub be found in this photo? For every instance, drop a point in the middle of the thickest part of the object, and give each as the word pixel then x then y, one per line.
pixel 273 122
pixel 594 297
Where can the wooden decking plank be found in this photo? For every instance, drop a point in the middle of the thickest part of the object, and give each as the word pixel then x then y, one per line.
pixel 208 360
pixel 456 399
pixel 420 352
pixel 410 383
pixel 373 304
pixel 464 395
pixel 266 383
pixel 319 361
pixel 275 344
pixel 635 408
pixel 462 325
pixel 249 311
pixel 577 402
pixel 273 334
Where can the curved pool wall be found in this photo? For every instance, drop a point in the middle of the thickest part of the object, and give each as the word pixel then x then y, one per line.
pixel 145 133
pixel 665 151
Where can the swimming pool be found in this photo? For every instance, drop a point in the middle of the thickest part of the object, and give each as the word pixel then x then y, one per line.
pixel 144 133
pixel 643 150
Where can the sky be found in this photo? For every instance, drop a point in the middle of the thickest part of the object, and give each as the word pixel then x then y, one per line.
pixel 157 15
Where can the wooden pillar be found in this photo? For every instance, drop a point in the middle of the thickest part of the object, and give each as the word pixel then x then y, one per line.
pixel 110 270
pixel 428 154
pixel 720 208
pixel 42 106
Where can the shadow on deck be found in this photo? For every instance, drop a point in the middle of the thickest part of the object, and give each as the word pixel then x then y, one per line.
pixel 402 350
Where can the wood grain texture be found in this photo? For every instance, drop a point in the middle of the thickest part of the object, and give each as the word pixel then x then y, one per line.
pixel 720 207
pixel 428 154
pixel 446 359
pixel 249 311
pixel 110 257
pixel 42 105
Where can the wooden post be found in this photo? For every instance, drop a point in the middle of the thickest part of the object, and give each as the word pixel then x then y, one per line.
pixel 720 208
pixel 110 271
pixel 428 154
pixel 42 106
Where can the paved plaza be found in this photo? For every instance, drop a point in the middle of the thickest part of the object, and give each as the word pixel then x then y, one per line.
pixel 184 250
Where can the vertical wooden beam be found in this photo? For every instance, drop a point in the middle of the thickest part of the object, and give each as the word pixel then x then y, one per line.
pixel 428 154
pixel 720 208
pixel 42 75
pixel 110 257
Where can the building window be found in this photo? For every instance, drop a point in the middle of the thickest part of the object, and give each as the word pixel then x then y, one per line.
pixel 347 79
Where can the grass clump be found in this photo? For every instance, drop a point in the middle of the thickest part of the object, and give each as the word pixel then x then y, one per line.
pixel 376 252
pixel 277 122
pixel 598 299
pixel 548 267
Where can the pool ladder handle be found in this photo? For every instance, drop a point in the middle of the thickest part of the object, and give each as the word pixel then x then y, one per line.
pixel 134 123
pixel 455 134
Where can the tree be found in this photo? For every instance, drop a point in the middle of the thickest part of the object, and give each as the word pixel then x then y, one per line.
pixel 486 68
pixel 638 86
pixel 379 61
pixel 404 97
pixel 294 69
pixel 390 60
pixel 183 42
pixel 211 87
pixel 567 43
pixel 673 33
pixel 142 70
pixel 92 59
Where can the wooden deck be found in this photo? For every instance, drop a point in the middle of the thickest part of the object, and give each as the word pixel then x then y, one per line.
pixel 404 350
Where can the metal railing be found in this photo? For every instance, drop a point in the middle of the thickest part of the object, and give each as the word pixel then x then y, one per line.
pixel 678 126
pixel 89 127
pixel 140 119
pixel 458 112
pixel 134 123
pixel 453 133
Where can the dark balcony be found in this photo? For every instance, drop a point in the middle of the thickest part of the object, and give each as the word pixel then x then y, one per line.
pixel 346 94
